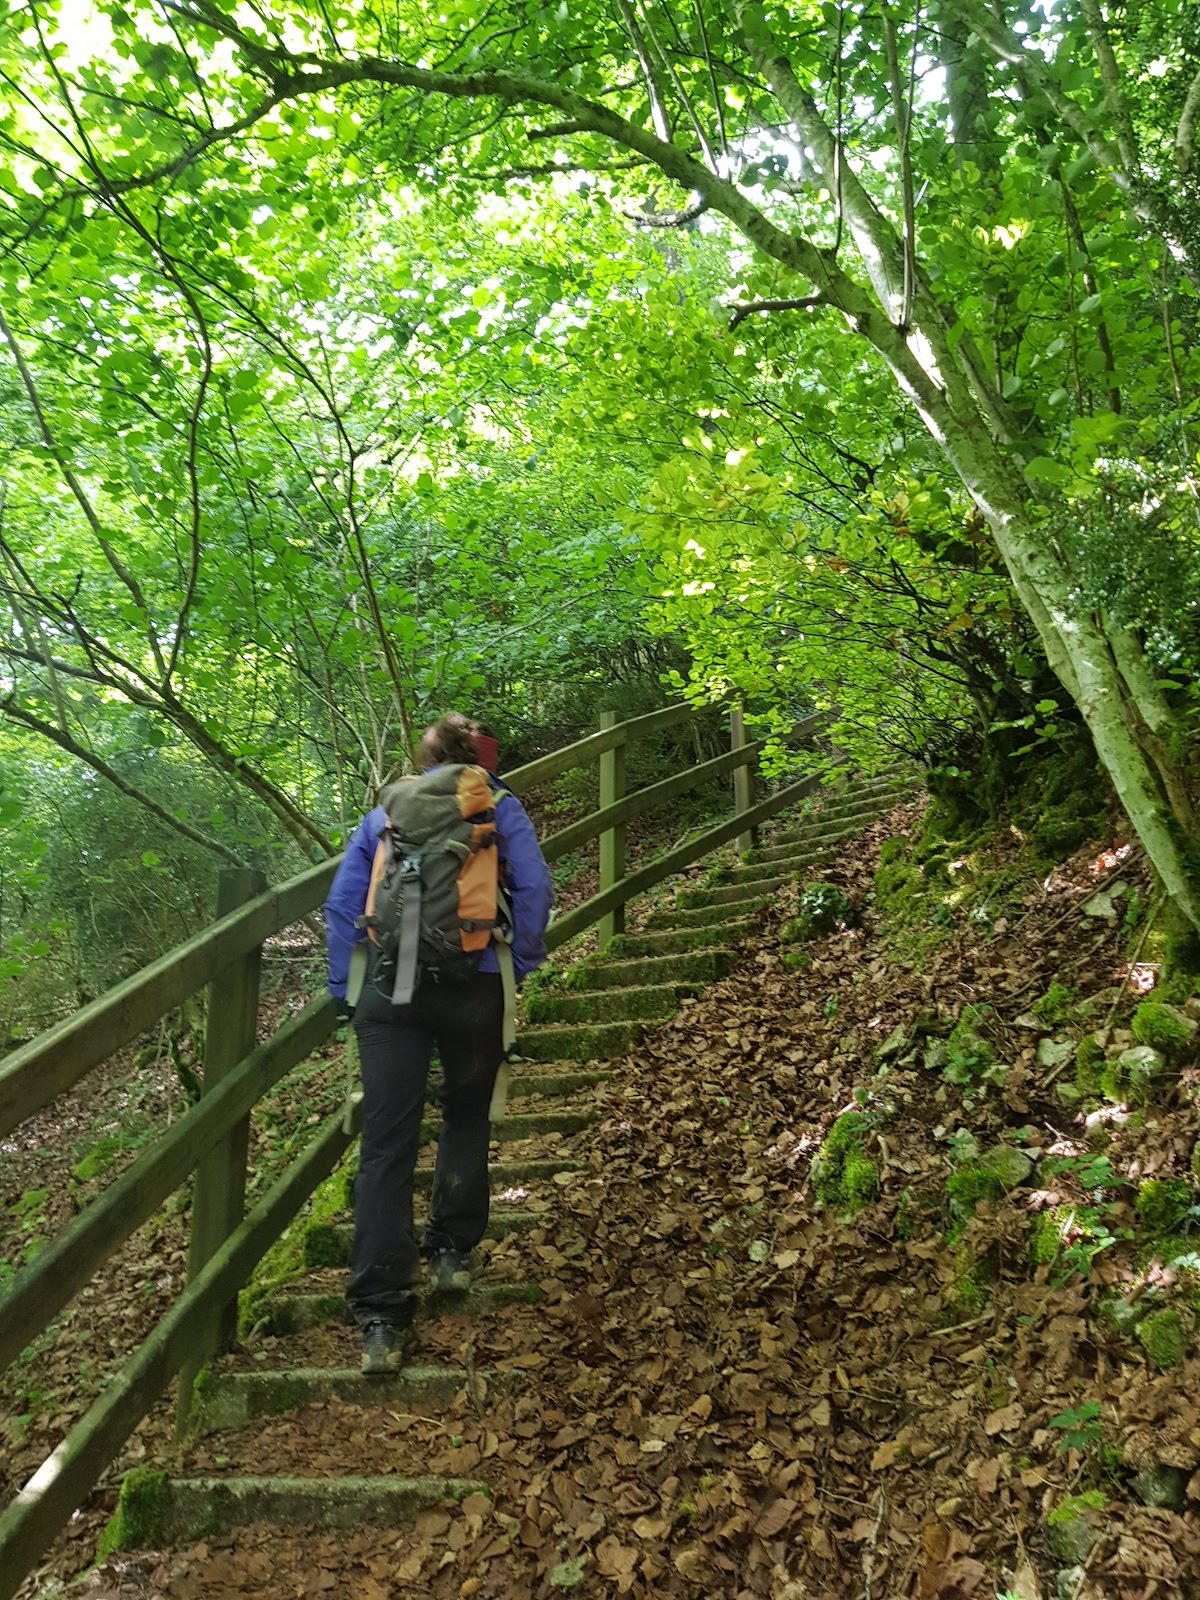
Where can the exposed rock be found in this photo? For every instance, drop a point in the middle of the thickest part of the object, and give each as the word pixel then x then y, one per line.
pixel 1008 1166
pixel 1102 904
pixel 893 1044
pixel 1161 1486
pixel 1053 1052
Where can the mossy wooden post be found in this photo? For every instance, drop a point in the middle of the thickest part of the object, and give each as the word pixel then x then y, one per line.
pixel 612 840
pixel 218 1202
pixel 743 779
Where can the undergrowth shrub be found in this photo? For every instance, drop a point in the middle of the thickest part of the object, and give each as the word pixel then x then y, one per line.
pixel 822 908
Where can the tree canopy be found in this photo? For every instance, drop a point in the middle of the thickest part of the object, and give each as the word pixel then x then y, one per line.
pixel 358 361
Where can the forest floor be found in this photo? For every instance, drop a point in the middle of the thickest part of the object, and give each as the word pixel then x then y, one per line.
pixel 729 1390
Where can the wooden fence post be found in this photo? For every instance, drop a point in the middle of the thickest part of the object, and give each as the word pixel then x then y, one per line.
pixel 612 840
pixel 218 1200
pixel 743 779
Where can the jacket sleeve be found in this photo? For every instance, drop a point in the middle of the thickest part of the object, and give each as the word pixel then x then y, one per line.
pixel 347 899
pixel 527 883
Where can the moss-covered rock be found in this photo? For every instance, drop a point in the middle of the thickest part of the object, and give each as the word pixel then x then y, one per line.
pixel 1131 1076
pixel 1054 1007
pixel 892 850
pixel 844 1176
pixel 1074 1526
pixel 1162 1203
pixel 1163 1335
pixel 1164 1028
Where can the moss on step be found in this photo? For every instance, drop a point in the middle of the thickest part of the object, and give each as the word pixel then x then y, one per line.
pixel 599 1041
pixel 844 1176
pixel 650 1002
pixel 679 941
pixel 143 1509
pixel 292 1253
pixel 691 967
pixel 231 1399
pixel 177 1510
pixel 716 900
pixel 713 917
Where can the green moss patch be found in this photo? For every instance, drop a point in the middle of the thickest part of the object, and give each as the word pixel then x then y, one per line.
pixel 844 1176
pixel 1054 1007
pixel 971 1060
pixel 142 1518
pixel 1162 1027
pixel 1089 1066
pixel 1162 1203
pixel 1130 1078
pixel 1164 1337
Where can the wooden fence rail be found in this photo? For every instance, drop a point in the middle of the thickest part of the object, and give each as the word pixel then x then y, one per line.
pixel 210 1140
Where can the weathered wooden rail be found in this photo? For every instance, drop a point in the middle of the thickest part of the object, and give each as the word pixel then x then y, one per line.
pixel 211 1139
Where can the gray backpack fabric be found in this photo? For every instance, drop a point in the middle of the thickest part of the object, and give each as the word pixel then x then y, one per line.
pixel 434 908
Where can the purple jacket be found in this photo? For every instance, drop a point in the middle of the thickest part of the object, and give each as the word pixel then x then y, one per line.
pixel 522 865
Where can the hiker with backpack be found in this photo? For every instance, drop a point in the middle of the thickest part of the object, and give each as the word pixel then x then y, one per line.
pixel 445 892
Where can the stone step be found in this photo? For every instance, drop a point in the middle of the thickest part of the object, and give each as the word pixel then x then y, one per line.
pixel 716 917
pixel 649 1002
pixel 690 967
pixel 526 1079
pixel 791 861
pixel 292 1312
pixel 680 941
pixel 327 1244
pixel 593 1041
pixel 501 1176
pixel 527 1125
pixel 156 1510
pixel 522 1125
pixel 848 807
pixel 231 1399
pixel 820 845
pixel 823 829
pixel 730 893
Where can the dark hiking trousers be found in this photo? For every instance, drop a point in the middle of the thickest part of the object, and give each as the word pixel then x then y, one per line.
pixel 395 1044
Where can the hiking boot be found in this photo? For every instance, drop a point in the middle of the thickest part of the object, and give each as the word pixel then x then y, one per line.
pixel 384 1348
pixel 450 1271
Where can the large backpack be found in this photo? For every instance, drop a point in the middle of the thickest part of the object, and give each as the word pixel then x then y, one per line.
pixel 435 901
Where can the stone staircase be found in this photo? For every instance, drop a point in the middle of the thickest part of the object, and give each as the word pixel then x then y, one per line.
pixel 303 1352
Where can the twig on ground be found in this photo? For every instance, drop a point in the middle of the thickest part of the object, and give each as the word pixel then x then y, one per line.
pixel 868 1559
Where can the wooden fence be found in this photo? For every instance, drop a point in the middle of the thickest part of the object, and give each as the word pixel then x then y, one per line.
pixel 211 1140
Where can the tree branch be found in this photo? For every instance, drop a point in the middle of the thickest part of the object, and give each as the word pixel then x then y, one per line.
pixel 50 440
pixel 748 308
pixel 64 741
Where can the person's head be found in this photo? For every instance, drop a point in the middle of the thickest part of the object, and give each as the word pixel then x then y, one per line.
pixel 449 740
